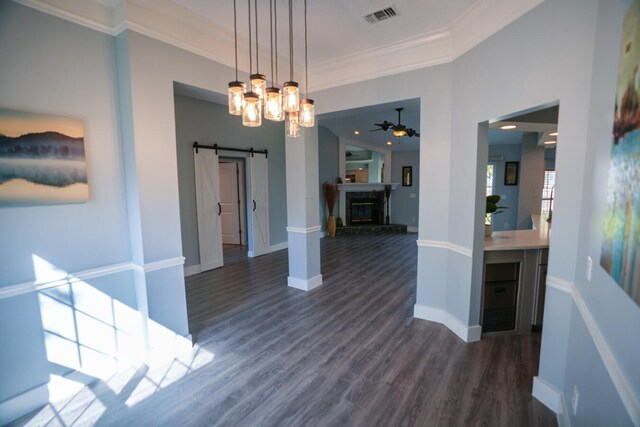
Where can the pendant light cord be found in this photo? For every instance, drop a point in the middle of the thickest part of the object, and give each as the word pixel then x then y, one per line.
pixel 257 52
pixel 306 73
pixel 235 35
pixel 271 36
pixel 290 40
pixel 250 53
pixel 275 19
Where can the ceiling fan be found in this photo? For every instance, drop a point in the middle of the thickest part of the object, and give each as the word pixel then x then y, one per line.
pixel 399 129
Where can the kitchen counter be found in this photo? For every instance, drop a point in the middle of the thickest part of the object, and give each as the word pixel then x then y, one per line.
pixel 538 238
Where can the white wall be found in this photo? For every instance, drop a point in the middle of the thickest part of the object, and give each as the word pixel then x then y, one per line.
pixel 52 66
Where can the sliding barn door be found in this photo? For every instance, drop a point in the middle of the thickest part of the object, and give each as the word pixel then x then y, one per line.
pixel 258 208
pixel 208 209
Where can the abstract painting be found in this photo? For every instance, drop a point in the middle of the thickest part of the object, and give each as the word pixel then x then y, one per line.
pixel 620 255
pixel 42 159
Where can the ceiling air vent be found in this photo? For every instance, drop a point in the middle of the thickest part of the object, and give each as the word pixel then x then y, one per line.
pixel 380 15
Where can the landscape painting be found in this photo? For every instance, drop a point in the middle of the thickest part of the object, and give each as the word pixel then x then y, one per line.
pixel 42 159
pixel 620 255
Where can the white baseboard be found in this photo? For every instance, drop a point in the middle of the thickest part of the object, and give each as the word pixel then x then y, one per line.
pixel 305 284
pixel 412 229
pixel 466 333
pixel 23 403
pixel 550 397
pixel 279 246
pixel 191 270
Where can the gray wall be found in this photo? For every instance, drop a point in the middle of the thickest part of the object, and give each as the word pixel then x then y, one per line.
pixel 328 160
pixel 404 200
pixel 209 124
pixel 52 66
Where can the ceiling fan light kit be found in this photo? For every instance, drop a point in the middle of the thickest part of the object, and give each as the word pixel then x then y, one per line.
pixel 399 130
pixel 274 103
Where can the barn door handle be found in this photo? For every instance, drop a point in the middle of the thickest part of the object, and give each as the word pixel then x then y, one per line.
pixel 219 209
pixel 254 205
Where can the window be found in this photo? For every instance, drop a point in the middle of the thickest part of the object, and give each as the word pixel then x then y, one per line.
pixel 490 169
pixel 547 190
pixel 489 180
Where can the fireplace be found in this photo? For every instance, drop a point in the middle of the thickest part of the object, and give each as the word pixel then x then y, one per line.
pixel 365 208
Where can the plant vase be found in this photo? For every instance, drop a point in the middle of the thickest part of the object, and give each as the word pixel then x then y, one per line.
pixel 331 226
pixel 488 230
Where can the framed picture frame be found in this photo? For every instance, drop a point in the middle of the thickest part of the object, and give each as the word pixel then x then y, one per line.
pixel 407 176
pixel 511 173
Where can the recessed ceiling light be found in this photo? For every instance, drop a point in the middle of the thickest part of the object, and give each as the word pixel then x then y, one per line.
pixel 389 142
pixel 549 142
pixel 553 134
pixel 356 132
pixel 359 169
pixel 508 127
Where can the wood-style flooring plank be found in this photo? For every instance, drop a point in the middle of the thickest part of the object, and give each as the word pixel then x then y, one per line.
pixel 348 353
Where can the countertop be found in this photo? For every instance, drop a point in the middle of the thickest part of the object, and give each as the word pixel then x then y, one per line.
pixel 538 238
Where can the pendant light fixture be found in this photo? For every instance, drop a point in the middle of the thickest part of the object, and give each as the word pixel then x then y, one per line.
pixel 307 114
pixel 252 107
pixel 273 96
pixel 258 81
pixel 290 88
pixel 292 124
pixel 236 88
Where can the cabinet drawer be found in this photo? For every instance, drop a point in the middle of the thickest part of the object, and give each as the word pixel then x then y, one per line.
pixel 501 272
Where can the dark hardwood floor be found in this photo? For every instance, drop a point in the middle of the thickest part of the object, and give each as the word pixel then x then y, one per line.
pixel 348 353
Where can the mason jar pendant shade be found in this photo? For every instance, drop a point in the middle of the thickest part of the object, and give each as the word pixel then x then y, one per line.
pixel 236 90
pixel 292 125
pixel 307 116
pixel 258 83
pixel 273 104
pixel 252 114
pixel 291 97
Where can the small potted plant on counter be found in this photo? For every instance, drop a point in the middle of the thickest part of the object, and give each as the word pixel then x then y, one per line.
pixel 492 208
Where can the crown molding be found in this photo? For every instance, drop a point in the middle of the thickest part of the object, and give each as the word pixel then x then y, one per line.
pixel 173 24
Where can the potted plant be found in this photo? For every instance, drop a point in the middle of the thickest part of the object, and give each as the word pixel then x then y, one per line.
pixel 492 208
pixel 330 195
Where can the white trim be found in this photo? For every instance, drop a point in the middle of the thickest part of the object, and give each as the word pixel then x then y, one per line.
pixel 412 229
pixel 560 284
pixel 303 230
pixel 620 381
pixel 162 264
pixel 462 250
pixel 23 403
pixel 466 333
pixel 63 278
pixel 550 397
pixel 279 246
pixel 68 16
pixel 304 284
pixel 192 269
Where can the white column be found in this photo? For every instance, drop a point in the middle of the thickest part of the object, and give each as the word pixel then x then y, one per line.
pixel 303 217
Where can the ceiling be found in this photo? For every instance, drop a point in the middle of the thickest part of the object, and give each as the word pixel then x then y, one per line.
pixel 343 47
pixel 542 120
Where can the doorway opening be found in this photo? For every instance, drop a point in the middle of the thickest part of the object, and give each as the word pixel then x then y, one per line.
pixel 232 203
pixel 517 169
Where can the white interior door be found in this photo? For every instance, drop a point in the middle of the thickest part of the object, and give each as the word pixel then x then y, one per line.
pixel 258 208
pixel 208 209
pixel 229 200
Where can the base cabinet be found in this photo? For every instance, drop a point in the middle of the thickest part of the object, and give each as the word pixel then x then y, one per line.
pixel 513 290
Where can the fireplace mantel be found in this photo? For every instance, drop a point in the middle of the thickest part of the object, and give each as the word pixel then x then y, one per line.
pixel 365 186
